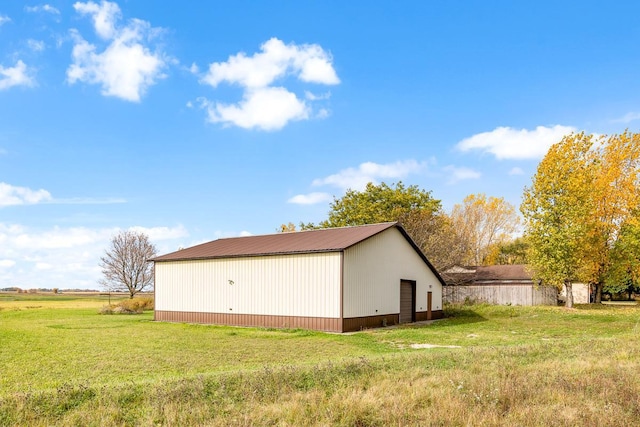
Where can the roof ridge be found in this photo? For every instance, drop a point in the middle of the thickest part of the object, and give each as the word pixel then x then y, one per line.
pixel 319 240
pixel 278 233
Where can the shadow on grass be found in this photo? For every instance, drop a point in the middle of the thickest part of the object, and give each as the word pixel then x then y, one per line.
pixel 462 314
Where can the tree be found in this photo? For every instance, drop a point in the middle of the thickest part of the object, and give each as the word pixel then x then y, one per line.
pixel 419 213
pixel 597 190
pixel 508 252
pixel 557 212
pixel 435 234
pixel 126 265
pixel 615 197
pixel 624 273
pixel 483 223
pixel 379 203
pixel 286 228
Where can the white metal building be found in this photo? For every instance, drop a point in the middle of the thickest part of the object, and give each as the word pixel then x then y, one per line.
pixel 339 279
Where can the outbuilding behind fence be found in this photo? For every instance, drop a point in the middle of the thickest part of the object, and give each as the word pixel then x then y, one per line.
pixel 496 284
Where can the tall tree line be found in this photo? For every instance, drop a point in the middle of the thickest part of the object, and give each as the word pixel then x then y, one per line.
pixel 471 234
pixel 581 213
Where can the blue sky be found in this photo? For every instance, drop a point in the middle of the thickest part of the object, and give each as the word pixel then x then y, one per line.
pixel 201 120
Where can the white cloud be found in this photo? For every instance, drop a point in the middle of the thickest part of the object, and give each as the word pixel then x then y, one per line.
pixel 265 108
pixel 323 113
pixel 19 75
pixel 516 171
pixel 127 67
pixel 310 199
pixel 104 15
pixel 42 8
pixel 313 97
pixel 509 143
pixel 4 19
pixel 7 263
pixel 11 195
pixel 627 118
pixel 219 234
pixel 457 174
pixel 35 45
pixel 59 238
pixel 43 266
pixel 61 257
pixel 358 178
pixel 308 62
pixel 88 201
pixel 162 233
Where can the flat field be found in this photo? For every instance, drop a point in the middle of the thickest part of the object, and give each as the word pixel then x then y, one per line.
pixel 61 363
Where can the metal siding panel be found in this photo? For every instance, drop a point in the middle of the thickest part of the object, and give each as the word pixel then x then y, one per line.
pixel 372 273
pixel 324 324
pixel 286 285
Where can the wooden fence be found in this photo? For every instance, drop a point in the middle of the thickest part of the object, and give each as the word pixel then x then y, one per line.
pixel 503 294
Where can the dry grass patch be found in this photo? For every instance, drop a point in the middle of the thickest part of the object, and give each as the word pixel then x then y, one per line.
pixel 404 390
pixel 129 306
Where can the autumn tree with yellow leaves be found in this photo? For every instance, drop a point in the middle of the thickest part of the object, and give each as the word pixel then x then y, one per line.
pixel 483 223
pixel 584 191
pixel 624 274
pixel 615 198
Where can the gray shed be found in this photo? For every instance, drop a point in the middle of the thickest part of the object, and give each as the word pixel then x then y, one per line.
pixel 496 284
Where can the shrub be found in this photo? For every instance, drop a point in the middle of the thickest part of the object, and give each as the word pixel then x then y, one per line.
pixel 146 303
pixel 137 304
pixel 128 306
pixel 107 309
pixel 469 301
pixel 121 309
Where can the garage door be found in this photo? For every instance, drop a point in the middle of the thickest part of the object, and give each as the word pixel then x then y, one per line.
pixel 407 301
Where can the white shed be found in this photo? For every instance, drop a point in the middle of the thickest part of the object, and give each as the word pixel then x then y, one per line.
pixel 338 279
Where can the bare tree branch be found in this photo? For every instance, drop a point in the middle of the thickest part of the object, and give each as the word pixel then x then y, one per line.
pixel 125 265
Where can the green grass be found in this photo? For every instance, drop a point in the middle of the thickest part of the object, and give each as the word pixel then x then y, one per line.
pixel 48 346
pixel 63 364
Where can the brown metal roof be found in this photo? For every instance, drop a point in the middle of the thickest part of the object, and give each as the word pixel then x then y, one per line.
pixel 490 273
pixel 325 240
pixel 503 272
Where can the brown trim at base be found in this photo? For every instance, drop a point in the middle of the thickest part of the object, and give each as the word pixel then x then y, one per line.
pixel 423 315
pixel 327 324
pixel 352 324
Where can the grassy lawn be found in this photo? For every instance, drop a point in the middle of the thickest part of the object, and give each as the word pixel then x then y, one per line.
pixel 63 364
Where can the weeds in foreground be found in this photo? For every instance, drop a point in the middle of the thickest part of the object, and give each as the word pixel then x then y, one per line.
pixel 480 387
pixel 128 306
